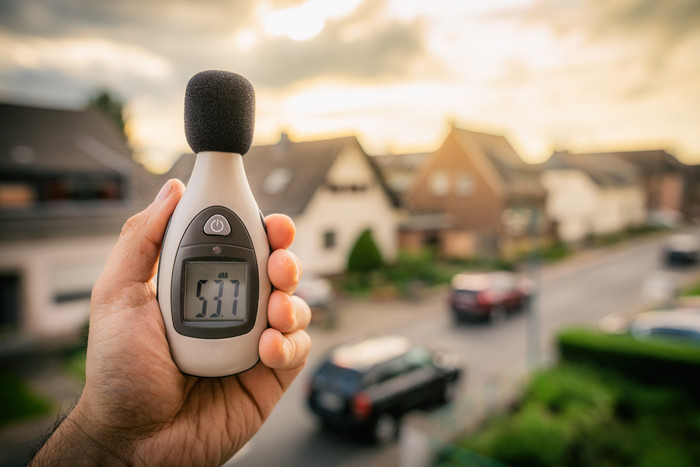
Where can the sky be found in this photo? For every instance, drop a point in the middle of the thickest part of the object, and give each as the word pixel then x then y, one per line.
pixel 580 75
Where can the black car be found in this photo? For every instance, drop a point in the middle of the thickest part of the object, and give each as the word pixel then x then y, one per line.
pixel 368 385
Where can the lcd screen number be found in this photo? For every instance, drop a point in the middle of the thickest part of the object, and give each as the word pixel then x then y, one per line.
pixel 215 291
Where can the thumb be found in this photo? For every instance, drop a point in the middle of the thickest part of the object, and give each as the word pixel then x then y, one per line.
pixel 135 255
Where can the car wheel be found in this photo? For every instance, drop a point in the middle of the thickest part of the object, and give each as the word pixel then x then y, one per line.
pixel 497 314
pixel 385 429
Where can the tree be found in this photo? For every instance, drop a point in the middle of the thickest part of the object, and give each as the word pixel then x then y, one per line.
pixel 105 102
pixel 365 255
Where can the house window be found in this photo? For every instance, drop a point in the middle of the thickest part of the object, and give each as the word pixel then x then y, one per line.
pixel 464 184
pixel 354 187
pixel 439 183
pixel 73 281
pixel 329 240
pixel 16 195
pixel 9 301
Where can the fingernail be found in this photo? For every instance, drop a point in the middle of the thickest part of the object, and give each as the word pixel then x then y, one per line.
pixel 164 192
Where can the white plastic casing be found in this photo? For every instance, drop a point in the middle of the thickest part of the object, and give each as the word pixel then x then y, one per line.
pixel 218 179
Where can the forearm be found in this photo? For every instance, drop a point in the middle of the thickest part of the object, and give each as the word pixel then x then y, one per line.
pixel 74 442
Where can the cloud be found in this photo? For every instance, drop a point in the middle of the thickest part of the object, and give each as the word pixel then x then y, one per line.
pixel 353 48
pixel 657 25
pixel 126 20
pixel 192 36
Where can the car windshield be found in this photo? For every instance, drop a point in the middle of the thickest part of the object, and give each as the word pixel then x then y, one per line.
pixel 466 293
pixel 678 335
pixel 337 378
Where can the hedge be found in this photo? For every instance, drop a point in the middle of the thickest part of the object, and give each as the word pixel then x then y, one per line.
pixel 654 361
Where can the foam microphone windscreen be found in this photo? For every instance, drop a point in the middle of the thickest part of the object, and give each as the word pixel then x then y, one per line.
pixel 219 112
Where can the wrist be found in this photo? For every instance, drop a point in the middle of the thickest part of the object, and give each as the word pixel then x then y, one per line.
pixel 78 441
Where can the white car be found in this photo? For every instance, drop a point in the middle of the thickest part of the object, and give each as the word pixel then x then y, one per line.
pixel 317 291
pixel 681 324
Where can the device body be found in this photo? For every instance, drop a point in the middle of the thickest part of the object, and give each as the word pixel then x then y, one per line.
pixel 213 285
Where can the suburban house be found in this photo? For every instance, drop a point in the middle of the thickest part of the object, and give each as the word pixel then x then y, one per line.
pixel 67 184
pixel 691 193
pixel 592 194
pixel 399 171
pixel 474 196
pixel 662 178
pixel 330 188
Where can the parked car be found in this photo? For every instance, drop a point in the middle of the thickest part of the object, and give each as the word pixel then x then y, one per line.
pixel 367 386
pixel 318 293
pixel 682 250
pixel 679 324
pixel 488 296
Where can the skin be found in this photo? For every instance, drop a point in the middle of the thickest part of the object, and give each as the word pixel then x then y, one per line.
pixel 137 408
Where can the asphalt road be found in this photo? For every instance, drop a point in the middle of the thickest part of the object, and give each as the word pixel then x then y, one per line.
pixel 582 290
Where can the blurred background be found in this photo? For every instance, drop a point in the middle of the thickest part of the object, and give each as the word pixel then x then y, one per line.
pixel 512 186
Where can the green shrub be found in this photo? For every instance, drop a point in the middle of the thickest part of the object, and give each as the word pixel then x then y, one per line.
pixel 18 400
pixel 692 290
pixel 532 437
pixel 657 362
pixel 365 254
pixel 577 395
pixel 566 386
pixel 556 252
pixel 577 415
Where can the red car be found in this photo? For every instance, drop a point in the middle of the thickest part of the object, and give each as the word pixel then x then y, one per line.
pixel 488 296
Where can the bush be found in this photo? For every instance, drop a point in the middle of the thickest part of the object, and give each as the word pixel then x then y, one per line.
pixel 576 394
pixel 556 252
pixel 365 255
pixel 532 437
pixel 692 290
pixel 18 400
pixel 657 362
pixel 578 415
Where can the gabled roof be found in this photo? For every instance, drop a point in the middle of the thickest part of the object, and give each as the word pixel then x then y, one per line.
pixel 653 161
pixel 57 144
pixel 517 178
pixel 408 162
pixel 604 169
pixel 36 139
pixel 400 170
pixel 304 165
pixel 307 163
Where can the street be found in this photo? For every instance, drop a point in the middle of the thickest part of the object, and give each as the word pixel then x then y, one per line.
pixel 581 290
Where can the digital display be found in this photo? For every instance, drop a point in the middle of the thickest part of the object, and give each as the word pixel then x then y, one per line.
pixel 216 291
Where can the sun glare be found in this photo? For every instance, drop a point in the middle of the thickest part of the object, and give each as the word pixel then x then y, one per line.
pixel 307 20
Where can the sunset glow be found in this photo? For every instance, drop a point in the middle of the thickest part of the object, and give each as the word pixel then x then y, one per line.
pixel 581 75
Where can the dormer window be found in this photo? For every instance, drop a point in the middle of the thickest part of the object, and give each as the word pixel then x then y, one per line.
pixel 351 187
pixel 277 181
pixel 439 183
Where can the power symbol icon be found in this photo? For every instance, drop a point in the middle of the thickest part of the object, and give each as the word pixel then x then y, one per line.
pixel 217 225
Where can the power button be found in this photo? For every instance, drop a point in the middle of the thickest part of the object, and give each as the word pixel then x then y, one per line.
pixel 217 225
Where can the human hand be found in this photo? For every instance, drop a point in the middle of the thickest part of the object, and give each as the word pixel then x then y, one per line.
pixel 137 407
